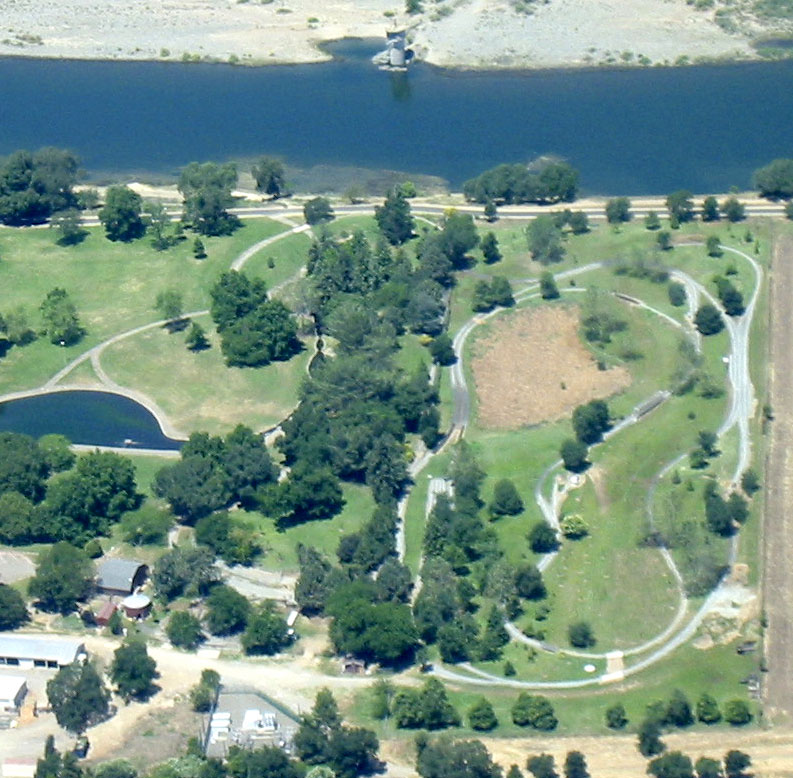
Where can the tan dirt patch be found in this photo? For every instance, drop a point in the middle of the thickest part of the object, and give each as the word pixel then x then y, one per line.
pixel 618 757
pixel 532 367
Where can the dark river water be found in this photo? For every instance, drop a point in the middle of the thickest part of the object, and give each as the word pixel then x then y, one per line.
pixel 635 131
pixel 92 418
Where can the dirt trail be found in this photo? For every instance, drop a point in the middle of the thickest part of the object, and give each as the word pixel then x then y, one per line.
pixel 778 523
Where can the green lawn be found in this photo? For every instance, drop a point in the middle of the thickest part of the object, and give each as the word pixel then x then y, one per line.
pixel 208 395
pixel 716 671
pixel 280 546
pixel 113 286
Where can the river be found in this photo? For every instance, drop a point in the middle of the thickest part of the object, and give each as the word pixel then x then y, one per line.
pixel 634 131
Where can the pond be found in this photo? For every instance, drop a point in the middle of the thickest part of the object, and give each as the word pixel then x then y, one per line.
pixel 89 418
pixel 629 131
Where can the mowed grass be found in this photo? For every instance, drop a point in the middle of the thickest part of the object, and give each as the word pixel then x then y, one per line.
pixel 623 590
pixel 197 390
pixel 113 286
pixel 716 671
pixel 287 255
pixel 280 546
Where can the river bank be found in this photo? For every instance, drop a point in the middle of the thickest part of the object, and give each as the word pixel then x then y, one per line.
pixel 482 34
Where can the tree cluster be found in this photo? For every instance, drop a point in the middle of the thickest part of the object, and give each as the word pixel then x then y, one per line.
pixel 75 505
pixel 35 185
pixel 547 182
pixel 213 473
pixel 323 739
pixel 254 329
pixel 490 295
pixel 426 708
pixel 207 191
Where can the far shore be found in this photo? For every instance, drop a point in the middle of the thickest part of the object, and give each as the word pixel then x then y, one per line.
pixel 477 35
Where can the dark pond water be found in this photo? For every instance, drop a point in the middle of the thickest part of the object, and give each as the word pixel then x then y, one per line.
pixel 628 131
pixel 91 418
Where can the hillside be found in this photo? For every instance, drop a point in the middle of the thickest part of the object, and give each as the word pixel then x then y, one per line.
pixel 456 33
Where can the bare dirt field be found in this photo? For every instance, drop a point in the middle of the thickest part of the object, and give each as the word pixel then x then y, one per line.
pixel 15 566
pixel 463 33
pixel 618 757
pixel 778 522
pixel 531 367
pixel 160 734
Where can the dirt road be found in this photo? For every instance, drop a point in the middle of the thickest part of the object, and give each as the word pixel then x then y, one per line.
pixel 778 524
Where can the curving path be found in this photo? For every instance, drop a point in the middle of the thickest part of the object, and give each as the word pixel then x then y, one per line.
pixel 94 354
pixel 740 411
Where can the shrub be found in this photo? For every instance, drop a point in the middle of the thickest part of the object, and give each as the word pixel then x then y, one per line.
pixel 616 717
pixel 574 526
pixel 481 716
pixel 580 634
pixel 542 538
pixel 534 711
pixel 737 713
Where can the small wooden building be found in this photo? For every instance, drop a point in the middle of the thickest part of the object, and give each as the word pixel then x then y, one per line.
pixel 105 613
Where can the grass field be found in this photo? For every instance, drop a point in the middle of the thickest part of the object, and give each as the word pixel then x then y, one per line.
pixel 208 396
pixel 717 671
pixel 113 286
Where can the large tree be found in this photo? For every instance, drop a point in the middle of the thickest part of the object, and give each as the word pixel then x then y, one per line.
pixel 133 671
pixel 394 218
pixel 269 175
pixel 267 334
pixel 78 696
pixel 228 611
pixel 64 575
pixel 458 236
pixel 545 240
pixel 207 191
pixel 266 632
pixel 680 205
pixel 61 323
pixel 590 421
pixel 13 612
pixel 121 214
pixel 23 466
pixel 775 180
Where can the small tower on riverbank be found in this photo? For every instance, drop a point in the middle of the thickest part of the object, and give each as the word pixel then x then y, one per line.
pixel 396 55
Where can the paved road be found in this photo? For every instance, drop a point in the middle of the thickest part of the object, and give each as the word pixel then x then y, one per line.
pixel 778 523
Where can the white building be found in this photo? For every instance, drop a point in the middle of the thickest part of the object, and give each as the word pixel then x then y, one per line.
pixel 13 689
pixel 28 651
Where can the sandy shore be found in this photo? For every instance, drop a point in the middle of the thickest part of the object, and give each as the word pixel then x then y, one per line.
pixel 454 33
